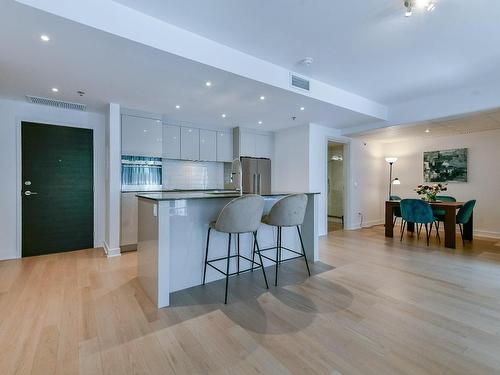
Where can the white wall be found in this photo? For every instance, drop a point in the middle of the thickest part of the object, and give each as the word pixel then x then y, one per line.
pixel 11 115
pixel 364 182
pixel 483 173
pixel 301 165
pixel 113 179
pixel 290 167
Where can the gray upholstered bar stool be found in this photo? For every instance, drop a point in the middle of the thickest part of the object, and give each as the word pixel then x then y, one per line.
pixel 287 212
pixel 241 215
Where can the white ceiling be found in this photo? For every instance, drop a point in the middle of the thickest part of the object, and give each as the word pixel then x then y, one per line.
pixel 366 47
pixel 113 69
pixel 474 123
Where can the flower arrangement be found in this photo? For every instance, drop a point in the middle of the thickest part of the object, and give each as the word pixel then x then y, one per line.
pixel 429 192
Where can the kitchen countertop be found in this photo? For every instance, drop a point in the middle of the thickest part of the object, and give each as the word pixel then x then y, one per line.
pixel 169 196
pixel 146 191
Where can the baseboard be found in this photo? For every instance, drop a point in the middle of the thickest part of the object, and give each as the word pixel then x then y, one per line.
pixel 366 224
pixel 111 252
pixel 487 234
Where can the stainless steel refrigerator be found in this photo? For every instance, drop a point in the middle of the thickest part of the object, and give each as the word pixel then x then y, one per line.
pixel 256 175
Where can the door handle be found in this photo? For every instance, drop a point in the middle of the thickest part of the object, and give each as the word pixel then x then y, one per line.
pixel 27 192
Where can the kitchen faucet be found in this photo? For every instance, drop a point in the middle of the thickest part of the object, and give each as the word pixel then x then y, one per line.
pixel 236 170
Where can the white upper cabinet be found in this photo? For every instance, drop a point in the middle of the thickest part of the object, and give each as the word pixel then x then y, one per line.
pixel 171 141
pixel 247 144
pixel 190 143
pixel 256 145
pixel 264 146
pixel 141 136
pixel 208 145
pixel 224 146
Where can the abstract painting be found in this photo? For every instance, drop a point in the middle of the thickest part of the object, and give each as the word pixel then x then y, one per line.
pixel 446 165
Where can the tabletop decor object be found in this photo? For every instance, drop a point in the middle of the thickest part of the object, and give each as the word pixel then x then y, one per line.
pixel 429 192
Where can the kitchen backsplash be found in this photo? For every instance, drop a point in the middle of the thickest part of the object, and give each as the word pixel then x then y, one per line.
pixel 180 174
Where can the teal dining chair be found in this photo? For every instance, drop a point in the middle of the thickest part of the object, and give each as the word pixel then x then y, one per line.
pixel 418 212
pixel 440 214
pixel 396 211
pixel 463 216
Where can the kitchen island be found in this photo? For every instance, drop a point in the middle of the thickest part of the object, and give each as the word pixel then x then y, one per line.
pixel 173 232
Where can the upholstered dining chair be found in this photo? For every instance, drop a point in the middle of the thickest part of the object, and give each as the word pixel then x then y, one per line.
pixel 463 216
pixel 418 212
pixel 396 210
pixel 440 214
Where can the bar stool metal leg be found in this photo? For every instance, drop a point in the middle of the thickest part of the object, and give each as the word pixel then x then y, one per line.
pixel 253 251
pixel 278 248
pixel 260 258
pixel 303 251
pixel 227 268
pixel 206 257
pixel 238 252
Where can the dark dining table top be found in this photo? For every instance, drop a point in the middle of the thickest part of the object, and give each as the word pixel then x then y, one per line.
pixel 436 204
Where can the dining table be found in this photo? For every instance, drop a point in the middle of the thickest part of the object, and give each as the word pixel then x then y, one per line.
pixel 450 221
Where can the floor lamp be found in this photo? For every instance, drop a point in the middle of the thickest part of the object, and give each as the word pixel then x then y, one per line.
pixel 395 181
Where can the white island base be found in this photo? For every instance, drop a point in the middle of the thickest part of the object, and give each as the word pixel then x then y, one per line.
pixel 173 234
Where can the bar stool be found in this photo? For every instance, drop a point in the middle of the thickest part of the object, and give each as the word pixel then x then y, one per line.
pixel 287 212
pixel 241 215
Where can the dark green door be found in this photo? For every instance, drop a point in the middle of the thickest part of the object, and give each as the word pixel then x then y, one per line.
pixel 57 189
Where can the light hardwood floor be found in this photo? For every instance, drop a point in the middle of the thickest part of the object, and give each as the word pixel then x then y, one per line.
pixel 373 306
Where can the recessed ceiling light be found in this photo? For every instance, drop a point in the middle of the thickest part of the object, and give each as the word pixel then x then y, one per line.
pixel 177 106
pixel 44 38
pixel 223 115
pixel 427 130
pixel 55 89
pixel 145 131
pixel 260 122
pixel 208 83
pixel 302 108
pixel 262 97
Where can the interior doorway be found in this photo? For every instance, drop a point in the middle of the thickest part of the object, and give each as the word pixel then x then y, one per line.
pixel 336 186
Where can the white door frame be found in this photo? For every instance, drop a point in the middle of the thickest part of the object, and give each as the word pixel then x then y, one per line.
pixel 19 183
pixel 347 177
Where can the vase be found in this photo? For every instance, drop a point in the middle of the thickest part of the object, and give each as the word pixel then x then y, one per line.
pixel 430 197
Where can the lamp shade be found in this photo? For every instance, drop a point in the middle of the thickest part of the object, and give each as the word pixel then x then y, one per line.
pixel 391 159
pixel 396 181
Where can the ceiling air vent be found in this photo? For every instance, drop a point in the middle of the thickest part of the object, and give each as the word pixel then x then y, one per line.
pixel 299 82
pixel 56 103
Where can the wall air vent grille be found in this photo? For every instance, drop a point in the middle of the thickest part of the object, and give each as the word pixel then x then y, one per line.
pixel 56 103
pixel 299 82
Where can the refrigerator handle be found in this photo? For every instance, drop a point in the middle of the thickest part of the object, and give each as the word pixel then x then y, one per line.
pixel 259 182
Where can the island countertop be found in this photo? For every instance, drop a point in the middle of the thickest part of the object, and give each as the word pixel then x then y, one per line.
pixel 170 196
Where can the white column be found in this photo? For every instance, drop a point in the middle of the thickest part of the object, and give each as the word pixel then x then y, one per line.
pixel 113 180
